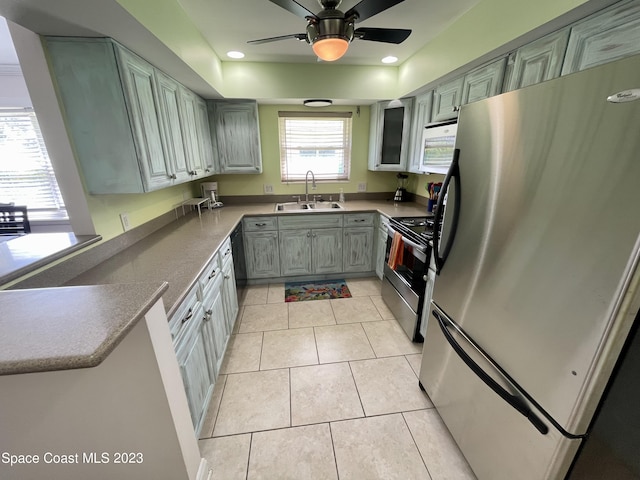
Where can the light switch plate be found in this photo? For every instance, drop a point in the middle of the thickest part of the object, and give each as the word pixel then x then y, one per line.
pixel 268 188
pixel 124 218
pixel 362 187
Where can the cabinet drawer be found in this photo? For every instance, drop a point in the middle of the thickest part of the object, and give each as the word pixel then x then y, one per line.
pixel 184 314
pixel 295 222
pixel 256 224
pixel 225 252
pixel 210 272
pixel 359 219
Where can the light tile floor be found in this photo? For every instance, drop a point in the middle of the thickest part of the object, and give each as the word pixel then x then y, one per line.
pixel 324 389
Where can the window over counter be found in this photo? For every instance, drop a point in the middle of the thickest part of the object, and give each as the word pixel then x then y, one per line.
pixel 320 142
pixel 26 174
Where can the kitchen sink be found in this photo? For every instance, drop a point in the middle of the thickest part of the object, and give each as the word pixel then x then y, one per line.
pixel 308 207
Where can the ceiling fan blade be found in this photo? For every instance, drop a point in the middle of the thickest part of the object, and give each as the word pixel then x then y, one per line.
pixel 386 35
pixel 294 7
pixel 299 36
pixel 368 8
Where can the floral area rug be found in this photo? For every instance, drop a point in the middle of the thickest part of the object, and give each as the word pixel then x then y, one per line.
pixel 327 289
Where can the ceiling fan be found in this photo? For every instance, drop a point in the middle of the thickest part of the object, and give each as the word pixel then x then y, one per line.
pixel 330 31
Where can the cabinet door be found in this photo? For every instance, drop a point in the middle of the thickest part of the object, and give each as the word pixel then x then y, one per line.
pixel 421 117
pixel 357 249
pixel 538 61
pixel 196 374
pixel 381 248
pixel 295 252
pixel 326 247
pixel 138 80
pixel 608 36
pixel 483 82
pixel 207 157
pixel 229 295
pixel 167 91
pixel 237 136
pixel 392 129
pixel 447 98
pixel 261 254
pixel 188 116
pixel 215 322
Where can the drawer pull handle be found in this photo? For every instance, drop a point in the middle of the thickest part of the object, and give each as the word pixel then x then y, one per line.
pixel 261 224
pixel 227 252
pixel 189 315
pixel 213 274
pixel 359 220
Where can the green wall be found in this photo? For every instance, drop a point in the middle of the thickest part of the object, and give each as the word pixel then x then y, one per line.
pixel 254 184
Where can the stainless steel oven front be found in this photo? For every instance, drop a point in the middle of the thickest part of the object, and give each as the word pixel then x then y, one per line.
pixel 403 286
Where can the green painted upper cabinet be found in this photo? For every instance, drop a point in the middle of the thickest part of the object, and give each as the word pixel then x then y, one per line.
pixel 421 117
pixel 483 82
pixel 235 126
pixel 188 119
pixel 612 34
pixel 125 118
pixel 389 135
pixel 447 99
pixel 209 160
pixel 168 93
pixel 537 61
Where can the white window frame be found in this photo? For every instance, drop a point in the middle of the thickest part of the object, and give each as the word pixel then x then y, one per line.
pixel 302 131
pixel 26 174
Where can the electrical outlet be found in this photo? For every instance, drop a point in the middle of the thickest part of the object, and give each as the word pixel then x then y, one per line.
pixel 362 186
pixel 268 188
pixel 124 218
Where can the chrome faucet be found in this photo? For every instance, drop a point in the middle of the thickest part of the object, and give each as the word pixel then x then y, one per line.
pixel 306 184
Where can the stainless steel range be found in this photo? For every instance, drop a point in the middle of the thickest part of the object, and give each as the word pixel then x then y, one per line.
pixel 404 280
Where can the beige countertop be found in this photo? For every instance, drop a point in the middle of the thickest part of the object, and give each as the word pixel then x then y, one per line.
pixel 69 327
pixel 178 252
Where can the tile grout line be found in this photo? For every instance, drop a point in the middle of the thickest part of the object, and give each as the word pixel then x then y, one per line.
pixel 333 447
pixel 249 455
pixel 416 445
pixel 364 412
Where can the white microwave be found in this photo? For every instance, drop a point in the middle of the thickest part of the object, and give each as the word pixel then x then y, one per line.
pixel 438 143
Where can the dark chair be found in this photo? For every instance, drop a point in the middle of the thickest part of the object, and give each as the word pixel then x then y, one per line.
pixel 14 220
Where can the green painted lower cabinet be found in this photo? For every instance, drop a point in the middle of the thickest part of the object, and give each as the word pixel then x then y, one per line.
pixel 262 254
pixel 194 362
pixel 326 250
pixel 357 249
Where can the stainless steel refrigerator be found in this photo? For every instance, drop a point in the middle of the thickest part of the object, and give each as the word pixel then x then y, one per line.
pixel 538 283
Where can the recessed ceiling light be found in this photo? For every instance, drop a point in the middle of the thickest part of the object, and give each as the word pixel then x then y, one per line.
pixel 317 102
pixel 235 54
pixel 390 59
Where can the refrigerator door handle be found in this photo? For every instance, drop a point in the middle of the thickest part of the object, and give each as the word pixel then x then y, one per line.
pixel 453 172
pixel 513 400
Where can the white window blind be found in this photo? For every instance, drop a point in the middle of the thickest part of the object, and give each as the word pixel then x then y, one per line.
pixel 320 142
pixel 26 175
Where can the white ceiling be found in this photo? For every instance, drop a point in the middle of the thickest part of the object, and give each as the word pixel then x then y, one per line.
pixel 228 25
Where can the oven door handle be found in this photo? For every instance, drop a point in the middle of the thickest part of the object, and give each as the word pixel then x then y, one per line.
pixel 453 172
pixel 420 248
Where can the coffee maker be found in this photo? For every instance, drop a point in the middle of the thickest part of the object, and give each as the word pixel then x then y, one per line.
pixel 210 191
pixel 401 191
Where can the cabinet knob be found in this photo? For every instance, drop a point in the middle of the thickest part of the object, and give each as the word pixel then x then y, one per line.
pixel 309 234
pixel 227 277
pixel 425 278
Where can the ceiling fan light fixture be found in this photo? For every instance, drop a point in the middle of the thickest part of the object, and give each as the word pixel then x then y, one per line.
pixel 330 49
pixel 317 102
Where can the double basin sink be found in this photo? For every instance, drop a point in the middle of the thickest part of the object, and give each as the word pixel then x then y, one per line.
pixel 308 207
